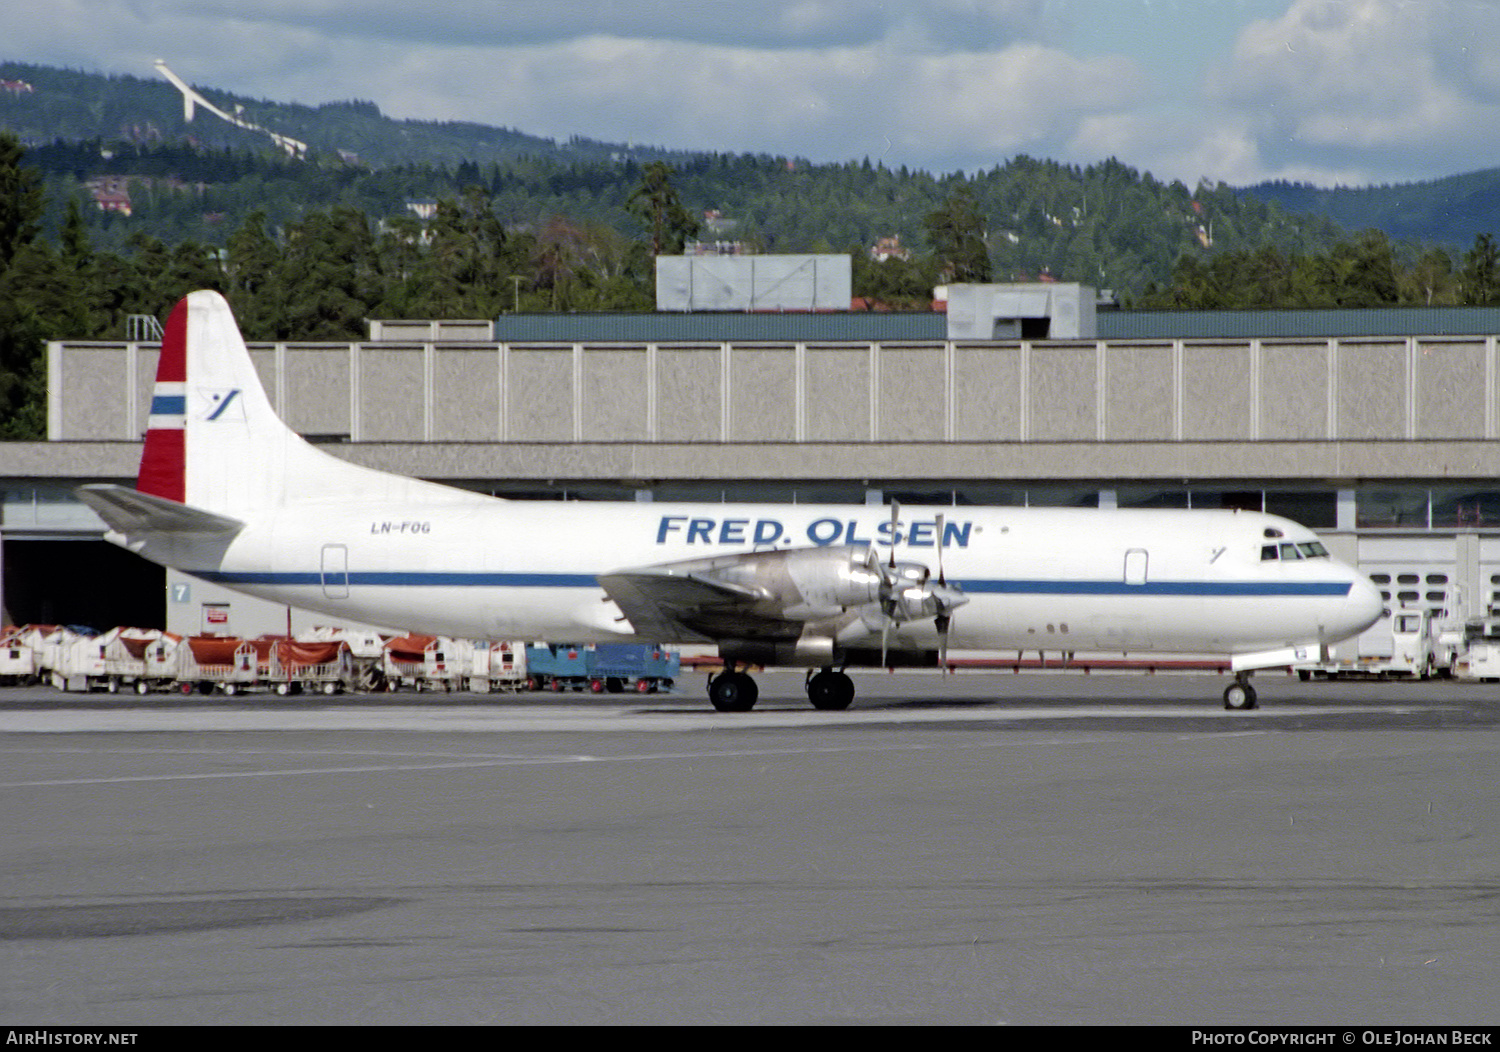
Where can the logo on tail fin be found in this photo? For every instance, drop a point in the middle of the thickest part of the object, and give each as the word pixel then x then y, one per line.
pixel 220 401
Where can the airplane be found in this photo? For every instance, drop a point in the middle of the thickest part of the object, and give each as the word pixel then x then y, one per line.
pixel 229 494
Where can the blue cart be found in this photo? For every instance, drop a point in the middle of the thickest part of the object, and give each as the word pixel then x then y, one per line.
pixel 601 668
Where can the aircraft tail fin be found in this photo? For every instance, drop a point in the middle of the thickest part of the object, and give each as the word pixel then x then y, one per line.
pixel 215 442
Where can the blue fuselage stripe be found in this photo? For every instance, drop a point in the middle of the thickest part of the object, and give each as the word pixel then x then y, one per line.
pixel 425 579
pixel 1178 588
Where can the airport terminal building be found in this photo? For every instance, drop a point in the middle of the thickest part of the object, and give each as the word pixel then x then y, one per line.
pixel 1376 428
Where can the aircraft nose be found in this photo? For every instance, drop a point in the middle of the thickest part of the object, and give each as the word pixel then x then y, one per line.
pixel 1362 606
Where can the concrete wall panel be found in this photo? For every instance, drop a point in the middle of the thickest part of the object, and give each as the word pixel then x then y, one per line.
pixel 392 394
pixel 317 389
pixel 1139 398
pixel 1062 392
pixel 1216 391
pixel 1449 381
pixel 1294 390
pixel 466 394
pixel 913 394
pixel 1371 389
pixel 616 403
pixel 95 378
pixel 688 395
pixel 761 403
pixel 145 382
pixel 986 393
pixel 539 394
pixel 837 386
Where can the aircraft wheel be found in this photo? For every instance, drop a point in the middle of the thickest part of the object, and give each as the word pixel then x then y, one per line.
pixel 830 691
pixel 733 692
pixel 1239 697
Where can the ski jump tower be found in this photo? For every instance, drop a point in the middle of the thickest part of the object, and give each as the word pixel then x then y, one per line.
pixel 191 99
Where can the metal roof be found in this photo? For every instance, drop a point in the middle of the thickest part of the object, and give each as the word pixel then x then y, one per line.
pixel 1243 324
pixel 720 326
pixel 869 326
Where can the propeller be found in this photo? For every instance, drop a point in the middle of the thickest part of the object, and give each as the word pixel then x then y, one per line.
pixel 907 593
pixel 944 620
pixel 887 599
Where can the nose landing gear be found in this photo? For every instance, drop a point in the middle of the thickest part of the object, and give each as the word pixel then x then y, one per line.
pixel 1239 696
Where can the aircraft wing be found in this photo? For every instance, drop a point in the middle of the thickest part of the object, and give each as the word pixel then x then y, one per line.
pixel 131 513
pixel 668 602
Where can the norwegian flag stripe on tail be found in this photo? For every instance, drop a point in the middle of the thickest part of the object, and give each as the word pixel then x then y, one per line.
pixel 164 461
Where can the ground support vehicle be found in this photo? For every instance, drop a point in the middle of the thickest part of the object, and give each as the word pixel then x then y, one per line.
pixel 18 654
pixel 316 667
pixel 223 663
pixel 601 668
pixel 426 663
pixel 498 667
pixel 126 664
pixel 74 660
pixel 1480 659
pixel 1424 645
pixel 366 654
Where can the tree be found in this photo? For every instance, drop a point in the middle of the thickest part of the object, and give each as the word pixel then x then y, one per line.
pixel 28 275
pixel 957 233
pixel 21 202
pixel 1481 274
pixel 656 203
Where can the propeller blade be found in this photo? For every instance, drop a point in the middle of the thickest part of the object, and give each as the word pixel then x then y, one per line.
pixel 942 580
pixel 895 518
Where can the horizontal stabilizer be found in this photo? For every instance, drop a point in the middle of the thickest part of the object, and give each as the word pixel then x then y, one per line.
pixel 131 512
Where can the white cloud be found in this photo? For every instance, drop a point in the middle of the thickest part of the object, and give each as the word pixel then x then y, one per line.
pixel 879 100
pixel 1378 82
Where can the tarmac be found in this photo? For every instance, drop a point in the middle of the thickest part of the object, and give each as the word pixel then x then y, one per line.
pixel 978 848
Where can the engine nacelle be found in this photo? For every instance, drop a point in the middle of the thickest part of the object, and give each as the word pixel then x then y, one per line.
pixel 831 580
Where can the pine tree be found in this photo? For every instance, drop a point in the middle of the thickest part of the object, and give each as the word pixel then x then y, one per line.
pixel 656 203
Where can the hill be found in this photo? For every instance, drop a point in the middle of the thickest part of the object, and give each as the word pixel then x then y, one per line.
pixel 75 106
pixel 1451 211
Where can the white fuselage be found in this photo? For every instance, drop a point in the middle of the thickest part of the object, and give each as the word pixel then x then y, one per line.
pixel 1035 578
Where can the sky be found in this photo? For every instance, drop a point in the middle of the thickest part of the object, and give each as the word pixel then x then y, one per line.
pixel 1332 92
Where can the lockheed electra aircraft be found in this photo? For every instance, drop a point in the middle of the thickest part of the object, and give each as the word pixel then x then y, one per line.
pixel 229 494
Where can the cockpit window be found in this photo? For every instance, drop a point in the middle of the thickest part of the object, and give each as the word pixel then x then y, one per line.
pixel 1302 550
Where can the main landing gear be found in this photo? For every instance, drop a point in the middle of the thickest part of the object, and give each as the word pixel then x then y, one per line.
pixel 1240 695
pixel 734 691
pixel 829 690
